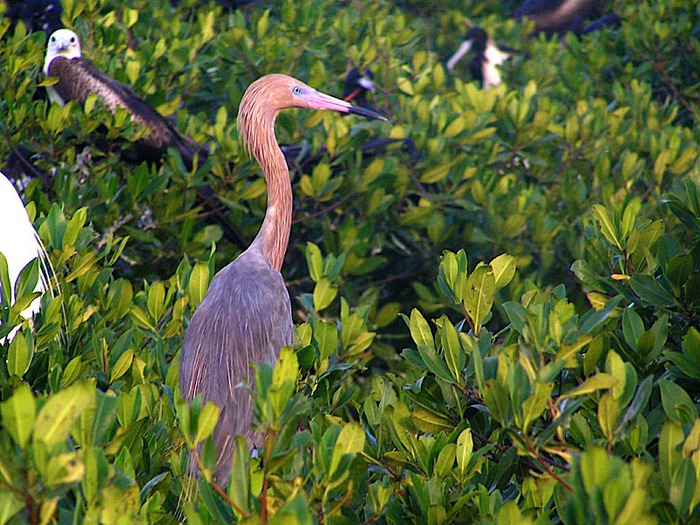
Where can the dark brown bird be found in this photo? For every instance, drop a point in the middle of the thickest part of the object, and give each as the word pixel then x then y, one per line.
pixel 246 315
pixel 78 78
pixel 557 16
pixel 37 15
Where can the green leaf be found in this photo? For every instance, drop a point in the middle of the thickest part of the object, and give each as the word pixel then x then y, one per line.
pixel 324 293
pixel 629 216
pixel 435 363
pixel 351 440
pixel 96 421
pixel 632 327
pixel 198 283
pixel 650 291
pixel 595 466
pixel 497 401
pixel 534 405
pixel 20 354
pixel 446 460
pixel 239 488
pixel 5 298
pixel 683 485
pixel 608 412
pixel 677 403
pixel 18 414
pixel 691 344
pixel 122 365
pixel 455 356
pixel 156 301
pixel 284 377
pixel 54 227
pixel 517 315
pixel 74 226
pixel 481 289
pixel 420 330
pixel 314 260
pixel 325 336
pixel 464 450
pixel 606 224
pixel 27 280
pixel 10 505
pixel 430 423
pixel 207 420
pixel 333 265
pixel 678 271
pixel 600 381
pixel 670 455
pixel 639 402
pixel 503 269
pixel 60 412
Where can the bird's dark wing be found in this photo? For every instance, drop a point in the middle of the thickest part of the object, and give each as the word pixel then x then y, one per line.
pixel 37 15
pixel 535 7
pixel 78 78
pixel 557 16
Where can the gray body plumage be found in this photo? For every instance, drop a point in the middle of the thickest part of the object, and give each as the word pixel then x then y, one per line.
pixel 246 313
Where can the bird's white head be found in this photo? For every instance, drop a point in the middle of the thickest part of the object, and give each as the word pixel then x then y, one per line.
pixel 62 43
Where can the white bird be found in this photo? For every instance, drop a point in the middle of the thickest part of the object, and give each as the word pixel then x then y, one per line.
pixel 19 243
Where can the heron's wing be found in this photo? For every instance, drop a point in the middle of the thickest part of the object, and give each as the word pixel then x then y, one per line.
pixel 244 319
pixel 78 78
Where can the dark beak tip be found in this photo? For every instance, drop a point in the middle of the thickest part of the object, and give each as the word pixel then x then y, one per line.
pixel 367 113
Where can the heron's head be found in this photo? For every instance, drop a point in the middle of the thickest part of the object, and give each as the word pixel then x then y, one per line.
pixel 62 43
pixel 268 95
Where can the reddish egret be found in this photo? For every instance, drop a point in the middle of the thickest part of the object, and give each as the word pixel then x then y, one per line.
pixel 246 315
pixel 78 78
pixel 19 243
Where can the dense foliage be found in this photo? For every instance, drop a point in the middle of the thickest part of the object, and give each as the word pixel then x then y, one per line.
pixel 499 325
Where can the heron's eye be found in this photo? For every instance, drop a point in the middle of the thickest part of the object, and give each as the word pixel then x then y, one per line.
pixel 72 39
pixel 296 90
pixel 53 39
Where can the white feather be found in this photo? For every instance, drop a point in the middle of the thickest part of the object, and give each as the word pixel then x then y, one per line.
pixel 19 242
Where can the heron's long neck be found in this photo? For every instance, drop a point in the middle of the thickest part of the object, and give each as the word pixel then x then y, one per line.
pixel 273 237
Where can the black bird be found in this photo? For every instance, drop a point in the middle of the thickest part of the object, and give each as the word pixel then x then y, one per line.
pixel 484 66
pixel 611 20
pixel 557 16
pixel 37 15
pixel 357 85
